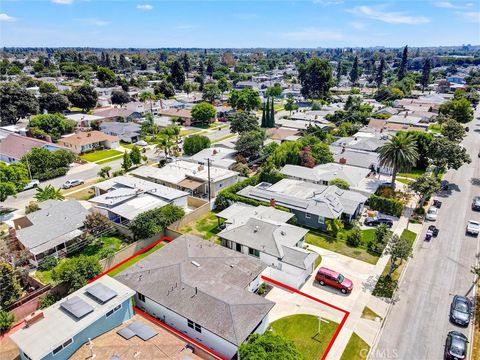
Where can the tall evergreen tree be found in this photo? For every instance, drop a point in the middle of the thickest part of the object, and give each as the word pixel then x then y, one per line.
pixel 402 69
pixel 267 111
pixel 339 71
pixel 380 71
pixel 186 63
pixel 264 119
pixel 271 123
pixel 354 72
pixel 177 74
pixel 425 80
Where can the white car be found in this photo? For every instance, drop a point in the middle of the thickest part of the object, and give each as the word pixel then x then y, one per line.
pixel 432 214
pixel 32 184
pixel 473 227
pixel 71 183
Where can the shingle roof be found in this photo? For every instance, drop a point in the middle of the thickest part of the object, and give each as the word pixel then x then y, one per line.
pixel 213 294
pixel 15 146
pixel 88 137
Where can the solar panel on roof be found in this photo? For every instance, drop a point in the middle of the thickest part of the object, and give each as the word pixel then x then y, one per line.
pixel 101 292
pixel 77 307
pixel 126 333
pixel 143 331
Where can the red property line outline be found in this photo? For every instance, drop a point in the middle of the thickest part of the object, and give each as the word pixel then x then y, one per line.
pixel 203 347
pixel 340 326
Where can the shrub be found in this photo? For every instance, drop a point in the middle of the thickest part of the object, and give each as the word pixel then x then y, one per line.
pixel 75 272
pixel 106 253
pixel 195 143
pixel 385 287
pixel 384 205
pixel 48 263
pixel 48 300
pixel 50 174
pixel 6 321
pixel 118 173
pixel 419 211
pixel 354 237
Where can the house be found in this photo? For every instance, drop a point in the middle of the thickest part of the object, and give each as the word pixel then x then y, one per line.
pixel 188 176
pixel 127 132
pixel 357 177
pixel 262 232
pixel 386 126
pixel 84 120
pixel 122 198
pixel 299 125
pixel 185 115
pixel 82 142
pixel 52 230
pixel 220 157
pixel 57 332
pixel 312 204
pixel 360 158
pixel 131 111
pixel 362 140
pixel 202 290
pixel 13 146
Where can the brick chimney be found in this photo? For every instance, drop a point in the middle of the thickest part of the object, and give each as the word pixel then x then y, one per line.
pixel 343 161
pixel 33 318
pixel 273 203
pixel 89 134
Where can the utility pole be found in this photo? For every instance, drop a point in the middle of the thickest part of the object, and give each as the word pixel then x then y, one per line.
pixel 208 169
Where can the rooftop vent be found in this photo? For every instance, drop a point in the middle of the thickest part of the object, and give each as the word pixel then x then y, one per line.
pixel 195 264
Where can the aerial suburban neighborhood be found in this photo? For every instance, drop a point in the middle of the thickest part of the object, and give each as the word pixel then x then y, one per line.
pixel 198 180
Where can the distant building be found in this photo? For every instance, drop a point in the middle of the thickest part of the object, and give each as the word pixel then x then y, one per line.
pixel 127 132
pixel 82 142
pixel 84 120
pixel 220 157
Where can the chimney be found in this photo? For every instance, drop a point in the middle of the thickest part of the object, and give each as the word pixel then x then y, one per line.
pixel 215 151
pixel 343 149
pixel 89 134
pixel 33 318
pixel 273 203
pixel 343 161
pixel 200 167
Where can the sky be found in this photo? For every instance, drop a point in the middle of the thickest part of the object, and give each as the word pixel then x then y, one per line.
pixel 238 24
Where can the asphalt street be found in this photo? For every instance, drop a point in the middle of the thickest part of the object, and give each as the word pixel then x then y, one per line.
pixel 418 323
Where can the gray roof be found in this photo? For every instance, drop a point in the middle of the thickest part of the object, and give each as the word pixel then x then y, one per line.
pixel 298 257
pixel 240 212
pixel 119 128
pixel 363 159
pixel 56 220
pixel 203 282
pixel 361 142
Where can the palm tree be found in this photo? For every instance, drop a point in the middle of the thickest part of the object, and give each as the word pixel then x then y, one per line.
pixel 164 144
pixel 48 193
pixel 399 152
pixel 105 172
pixel 148 96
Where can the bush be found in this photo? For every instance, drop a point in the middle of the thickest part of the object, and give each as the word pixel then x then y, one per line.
pixel 385 287
pixel 48 300
pixel 48 263
pixel 6 321
pixel 419 211
pixel 75 272
pixel 384 205
pixel 354 237
pixel 50 174
pixel 195 143
pixel 118 173
pixel 106 253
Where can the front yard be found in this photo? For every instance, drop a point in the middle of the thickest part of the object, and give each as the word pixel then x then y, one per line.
pixel 302 329
pixel 340 246
pixel 100 155
pixel 356 349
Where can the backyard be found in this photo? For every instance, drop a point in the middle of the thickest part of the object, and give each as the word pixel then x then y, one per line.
pixel 101 155
pixel 205 227
pixel 340 246
pixel 303 329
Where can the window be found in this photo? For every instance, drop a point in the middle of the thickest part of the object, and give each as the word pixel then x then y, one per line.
pixel 253 252
pixel 141 297
pixel 307 216
pixel 321 220
pixel 238 247
pixel 190 323
pixel 60 348
pixel 66 343
pixel 57 350
pixel 193 325
pixel 114 310
pixel 198 328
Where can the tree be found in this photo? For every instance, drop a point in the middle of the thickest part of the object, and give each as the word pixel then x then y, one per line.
pixel 243 121
pixel 76 271
pixel 339 72
pixel 249 144
pixel 290 104
pixel 188 87
pixel 223 84
pixel 268 346
pixel 164 143
pixel 402 69
pixel 6 321
pixel 195 143
pixel 105 76
pixel 47 88
pixel 399 153
pixel 31 207
pixel 460 110
pixel 185 63
pixel 17 103
pixel 203 113
pixel 334 226
pixel 354 73
pixel 127 162
pixel 84 97
pixel 10 285
pixel 48 193
pixel 316 78
pixel 306 157
pixel 453 130
pixel 135 155
pixel 271 116
pixel 105 172
pixel 165 88
pixel 380 71
pixel 53 103
pixel 246 99
pixel 469 93
pixel 274 91
pixel 120 97
pixel 382 236
pixel 53 125
pixel 399 249
pixel 96 223
pixel 340 183
pixel 13 179
pixel 445 153
pixel 425 80
pixel 211 92
pixel 425 186
pixel 177 74
pixel 354 237
pixel 44 164
pixel 152 222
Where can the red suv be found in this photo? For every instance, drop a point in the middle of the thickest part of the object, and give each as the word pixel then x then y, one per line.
pixel 329 277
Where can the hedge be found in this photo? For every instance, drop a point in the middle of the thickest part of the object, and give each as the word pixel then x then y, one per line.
pixel 52 174
pixel 385 205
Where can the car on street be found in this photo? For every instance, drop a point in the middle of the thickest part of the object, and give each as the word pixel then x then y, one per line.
pixel 476 203
pixel 334 279
pixel 473 227
pixel 375 221
pixel 434 230
pixel 437 204
pixel 32 184
pixel 72 183
pixel 460 310
pixel 456 346
pixel 432 214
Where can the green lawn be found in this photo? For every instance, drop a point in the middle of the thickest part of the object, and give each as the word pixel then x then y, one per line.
pixel 412 174
pixel 405 181
pixel 223 138
pixel 205 227
pixel 340 246
pixel 369 314
pixel 105 242
pixel 356 349
pixel 108 160
pixel 189 132
pixel 45 277
pixel 99 155
pixel 136 259
pixel 435 128
pixel 127 145
pixel 302 330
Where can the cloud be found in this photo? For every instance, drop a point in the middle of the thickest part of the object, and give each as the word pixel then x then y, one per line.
pixel 447 5
pixel 246 16
pixel 313 34
pixel 145 7
pixel 470 16
pixel 63 2
pixel 94 22
pixel 357 25
pixel 6 18
pixel 389 17
pixel 328 2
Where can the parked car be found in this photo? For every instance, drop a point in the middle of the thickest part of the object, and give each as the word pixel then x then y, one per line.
pixel 456 346
pixel 473 227
pixel 437 204
pixel 375 221
pixel 460 310
pixel 434 230
pixel 476 203
pixel 432 214
pixel 334 279
pixel 32 184
pixel 72 183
